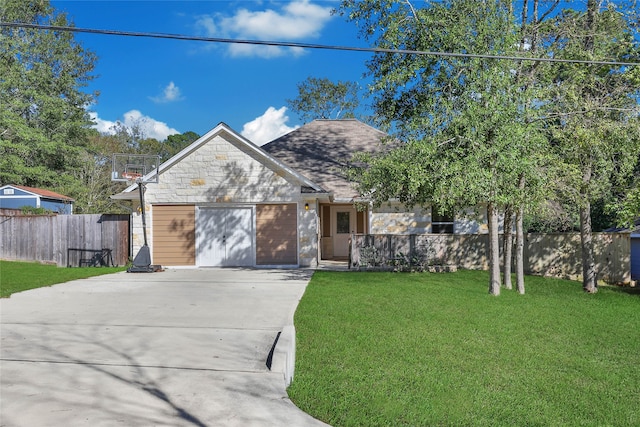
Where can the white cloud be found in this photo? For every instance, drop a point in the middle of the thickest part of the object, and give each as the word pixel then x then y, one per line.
pixel 296 20
pixel 169 94
pixel 267 52
pixel 103 126
pixel 206 23
pixel 149 127
pixel 267 127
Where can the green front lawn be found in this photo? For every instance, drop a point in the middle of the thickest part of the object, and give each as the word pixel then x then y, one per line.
pixel 20 276
pixel 389 349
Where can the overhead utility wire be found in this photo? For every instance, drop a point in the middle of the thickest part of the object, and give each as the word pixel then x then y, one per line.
pixel 306 45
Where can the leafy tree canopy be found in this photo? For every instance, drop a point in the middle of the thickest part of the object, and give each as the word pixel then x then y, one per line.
pixel 320 98
pixel 493 130
pixel 43 121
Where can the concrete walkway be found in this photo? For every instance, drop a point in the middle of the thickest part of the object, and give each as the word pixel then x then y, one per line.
pixel 175 348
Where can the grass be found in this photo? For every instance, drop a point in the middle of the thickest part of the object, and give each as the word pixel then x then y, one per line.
pixel 389 349
pixel 21 276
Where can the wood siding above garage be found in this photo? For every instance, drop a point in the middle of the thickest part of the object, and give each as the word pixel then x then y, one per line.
pixel 174 235
pixel 277 234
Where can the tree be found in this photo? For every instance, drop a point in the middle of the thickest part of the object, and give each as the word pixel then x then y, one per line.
pixel 175 143
pixel 94 174
pixel 132 139
pixel 320 98
pixel 629 207
pixel 167 148
pixel 43 122
pixel 469 125
pixel 95 171
pixel 594 110
pixel 626 205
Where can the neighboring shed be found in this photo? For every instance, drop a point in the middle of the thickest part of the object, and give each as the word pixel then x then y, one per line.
pixel 19 196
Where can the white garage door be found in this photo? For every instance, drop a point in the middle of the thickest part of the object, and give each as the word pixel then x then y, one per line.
pixel 224 237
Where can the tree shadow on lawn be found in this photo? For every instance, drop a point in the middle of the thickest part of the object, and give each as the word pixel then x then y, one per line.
pixel 626 289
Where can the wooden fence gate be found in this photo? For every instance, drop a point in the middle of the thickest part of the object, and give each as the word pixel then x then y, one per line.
pixel 66 240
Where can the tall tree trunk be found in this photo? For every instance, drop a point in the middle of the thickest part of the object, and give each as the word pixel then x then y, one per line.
pixel 520 250
pixel 507 250
pixel 494 250
pixel 523 24
pixel 520 239
pixel 589 283
pixel 592 10
pixel 534 24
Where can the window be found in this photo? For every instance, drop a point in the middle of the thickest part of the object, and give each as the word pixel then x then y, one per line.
pixel 441 221
pixel 343 223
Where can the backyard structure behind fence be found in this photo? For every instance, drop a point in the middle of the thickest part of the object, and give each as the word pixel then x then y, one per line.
pixel 553 255
pixel 66 240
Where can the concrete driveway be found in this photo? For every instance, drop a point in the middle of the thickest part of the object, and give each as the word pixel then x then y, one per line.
pixel 175 348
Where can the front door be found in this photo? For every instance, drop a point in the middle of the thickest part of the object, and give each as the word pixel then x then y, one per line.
pixel 343 224
pixel 224 237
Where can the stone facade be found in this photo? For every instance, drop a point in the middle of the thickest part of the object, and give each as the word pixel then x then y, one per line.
pixel 221 172
pixel 396 219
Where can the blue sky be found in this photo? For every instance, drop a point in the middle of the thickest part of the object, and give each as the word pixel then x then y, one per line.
pixel 174 86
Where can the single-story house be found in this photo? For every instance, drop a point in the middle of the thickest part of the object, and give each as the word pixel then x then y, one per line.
pixel 224 201
pixel 19 196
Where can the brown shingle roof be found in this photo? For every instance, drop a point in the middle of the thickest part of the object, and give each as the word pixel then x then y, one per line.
pixel 44 193
pixel 320 150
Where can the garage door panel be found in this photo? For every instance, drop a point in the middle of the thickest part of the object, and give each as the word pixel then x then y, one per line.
pixel 225 237
pixel 174 235
pixel 210 232
pixel 277 234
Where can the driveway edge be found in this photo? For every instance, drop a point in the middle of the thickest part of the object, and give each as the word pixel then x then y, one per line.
pixel 284 355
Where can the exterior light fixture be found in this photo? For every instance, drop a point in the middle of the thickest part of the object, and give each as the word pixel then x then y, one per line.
pixel 306 206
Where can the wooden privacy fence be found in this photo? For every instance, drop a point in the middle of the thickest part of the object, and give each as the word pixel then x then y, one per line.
pixel 66 240
pixel 553 255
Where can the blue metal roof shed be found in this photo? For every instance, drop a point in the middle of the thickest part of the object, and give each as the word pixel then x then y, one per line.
pixel 18 196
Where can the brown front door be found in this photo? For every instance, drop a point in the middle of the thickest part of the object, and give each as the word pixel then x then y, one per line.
pixel 343 224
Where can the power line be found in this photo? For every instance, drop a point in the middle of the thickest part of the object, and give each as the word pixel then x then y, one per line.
pixel 307 45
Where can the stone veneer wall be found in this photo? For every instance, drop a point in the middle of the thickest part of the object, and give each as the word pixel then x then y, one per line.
pixel 308 235
pixel 393 219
